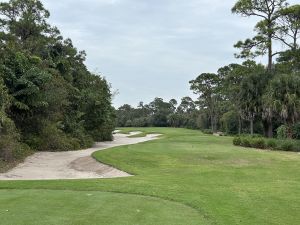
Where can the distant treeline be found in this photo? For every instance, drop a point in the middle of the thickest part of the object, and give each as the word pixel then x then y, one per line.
pixel 242 98
pixel 159 113
pixel 49 100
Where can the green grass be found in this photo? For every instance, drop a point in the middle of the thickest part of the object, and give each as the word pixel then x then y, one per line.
pixel 72 207
pixel 185 178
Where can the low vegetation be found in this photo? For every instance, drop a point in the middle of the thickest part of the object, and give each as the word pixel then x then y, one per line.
pixel 185 177
pixel 267 143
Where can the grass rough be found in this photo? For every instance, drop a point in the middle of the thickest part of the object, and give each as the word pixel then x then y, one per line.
pixel 209 180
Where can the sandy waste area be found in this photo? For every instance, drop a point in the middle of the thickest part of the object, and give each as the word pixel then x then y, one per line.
pixel 72 164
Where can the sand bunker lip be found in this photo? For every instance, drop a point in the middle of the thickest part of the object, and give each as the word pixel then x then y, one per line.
pixel 73 164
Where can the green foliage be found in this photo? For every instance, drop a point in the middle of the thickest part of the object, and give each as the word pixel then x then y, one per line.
pixel 296 131
pixel 230 123
pixel 258 143
pixel 52 138
pixel 283 132
pixel 237 141
pixel 159 113
pixel 49 99
pixel 271 144
pixel 283 97
pixel 246 141
pixel 207 86
pixel 286 145
pixel 267 143
pixel 207 131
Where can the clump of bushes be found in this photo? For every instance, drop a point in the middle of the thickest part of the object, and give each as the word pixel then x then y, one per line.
pixel 264 143
pixel 207 131
pixel 258 143
pixel 283 132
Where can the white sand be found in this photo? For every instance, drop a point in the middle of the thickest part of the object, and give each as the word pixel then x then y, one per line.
pixel 72 164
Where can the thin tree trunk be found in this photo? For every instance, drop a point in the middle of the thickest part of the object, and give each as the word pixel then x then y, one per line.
pixel 251 127
pixel 268 126
pixel 240 125
pixel 270 47
pixel 212 124
pixel 270 129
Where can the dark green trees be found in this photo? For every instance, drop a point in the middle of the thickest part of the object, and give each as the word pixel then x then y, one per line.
pixel 207 86
pixel 52 100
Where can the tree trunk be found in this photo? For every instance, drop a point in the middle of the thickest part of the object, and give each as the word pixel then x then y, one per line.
pixel 240 125
pixel 270 47
pixel 268 128
pixel 251 126
pixel 270 59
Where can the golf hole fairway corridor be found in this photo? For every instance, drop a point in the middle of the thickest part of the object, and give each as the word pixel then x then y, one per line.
pixel 182 178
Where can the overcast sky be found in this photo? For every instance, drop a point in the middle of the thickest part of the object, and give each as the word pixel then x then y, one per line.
pixel 149 49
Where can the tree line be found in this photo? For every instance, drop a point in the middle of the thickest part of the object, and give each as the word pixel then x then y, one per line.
pixel 49 99
pixel 244 97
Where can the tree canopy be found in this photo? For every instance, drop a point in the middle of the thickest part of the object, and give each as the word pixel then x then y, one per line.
pixel 49 99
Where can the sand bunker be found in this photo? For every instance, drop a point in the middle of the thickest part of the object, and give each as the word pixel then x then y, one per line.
pixel 72 164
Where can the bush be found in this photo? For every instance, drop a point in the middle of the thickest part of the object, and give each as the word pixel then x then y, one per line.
pixel 271 144
pixel 258 143
pixel 246 141
pixel 207 131
pixel 7 146
pixel 296 131
pixel 263 143
pixel 52 139
pixel 237 141
pixel 282 132
pixel 287 145
pixel 11 149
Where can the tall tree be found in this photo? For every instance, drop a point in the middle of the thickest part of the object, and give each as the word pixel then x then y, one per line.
pixel 289 33
pixel 262 42
pixel 289 26
pixel 207 86
pixel 232 76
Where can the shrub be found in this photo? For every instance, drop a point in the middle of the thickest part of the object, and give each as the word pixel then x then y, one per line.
pixel 297 147
pixel 263 143
pixel 258 143
pixel 296 131
pixel 246 141
pixel 7 146
pixel 237 141
pixel 282 132
pixel 207 131
pixel 21 151
pixel 287 145
pixel 52 139
pixel 271 144
pixel 257 136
